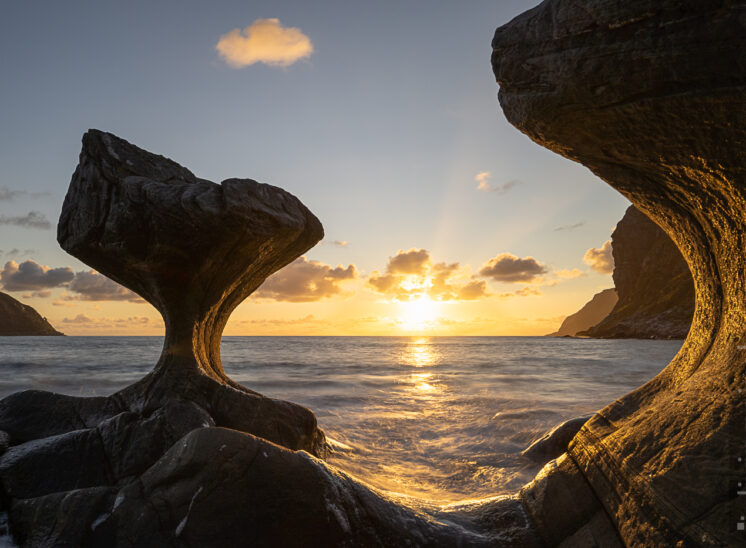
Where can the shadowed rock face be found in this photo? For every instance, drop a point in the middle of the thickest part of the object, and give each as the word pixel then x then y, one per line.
pixel 649 94
pixel 17 319
pixel 656 293
pixel 190 247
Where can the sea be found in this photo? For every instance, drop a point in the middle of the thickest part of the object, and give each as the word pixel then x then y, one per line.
pixel 437 418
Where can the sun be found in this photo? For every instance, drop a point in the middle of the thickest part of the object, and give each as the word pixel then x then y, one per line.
pixel 418 314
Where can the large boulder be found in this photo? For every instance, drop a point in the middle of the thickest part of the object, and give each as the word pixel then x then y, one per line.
pixel 649 94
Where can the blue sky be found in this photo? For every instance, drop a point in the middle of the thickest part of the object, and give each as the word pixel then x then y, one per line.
pixel 381 131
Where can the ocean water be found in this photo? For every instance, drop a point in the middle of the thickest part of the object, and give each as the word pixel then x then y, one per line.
pixel 439 418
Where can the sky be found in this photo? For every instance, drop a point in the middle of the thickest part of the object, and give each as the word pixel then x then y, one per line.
pixel 382 117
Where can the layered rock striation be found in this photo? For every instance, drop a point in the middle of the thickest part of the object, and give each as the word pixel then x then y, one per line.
pixel 18 319
pixel 649 94
pixel 655 288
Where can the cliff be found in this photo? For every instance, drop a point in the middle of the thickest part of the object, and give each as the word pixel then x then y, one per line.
pixel 591 314
pixel 20 319
pixel 653 282
pixel 649 95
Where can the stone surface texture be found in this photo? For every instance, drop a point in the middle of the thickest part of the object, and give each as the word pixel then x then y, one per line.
pixel 555 442
pixel 592 313
pixel 655 288
pixel 18 319
pixel 649 94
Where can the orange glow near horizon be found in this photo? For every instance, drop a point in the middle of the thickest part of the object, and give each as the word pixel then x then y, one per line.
pixel 418 314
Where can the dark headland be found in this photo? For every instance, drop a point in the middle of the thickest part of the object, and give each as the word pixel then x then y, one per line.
pixel 653 294
pixel 18 319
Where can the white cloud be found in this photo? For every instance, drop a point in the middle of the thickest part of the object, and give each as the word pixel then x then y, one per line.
pixel 483 178
pixel 264 41
pixel 601 258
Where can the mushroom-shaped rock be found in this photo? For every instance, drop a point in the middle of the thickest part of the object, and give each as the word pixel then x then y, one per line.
pixel 192 248
pixel 195 250
pixel 649 94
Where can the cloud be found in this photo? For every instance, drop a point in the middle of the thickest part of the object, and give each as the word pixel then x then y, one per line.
pixel 341 243
pixel 92 286
pixel 601 258
pixel 414 261
pixel 567 274
pixel 483 177
pixel 80 318
pixel 412 274
pixel 524 292
pixel 85 285
pixel 7 194
pixel 508 268
pixel 43 294
pixel 87 322
pixel 31 276
pixel 569 227
pixel 308 319
pixel 264 41
pixel 304 281
pixel 33 219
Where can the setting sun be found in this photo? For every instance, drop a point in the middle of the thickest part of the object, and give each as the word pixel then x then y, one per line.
pixel 418 314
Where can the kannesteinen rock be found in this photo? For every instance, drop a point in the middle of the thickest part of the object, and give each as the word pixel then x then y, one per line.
pixel 187 457
pixel 17 318
pixel 649 94
pixel 591 314
pixel 655 288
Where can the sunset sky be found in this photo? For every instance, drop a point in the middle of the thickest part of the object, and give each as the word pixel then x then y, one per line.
pixel 382 117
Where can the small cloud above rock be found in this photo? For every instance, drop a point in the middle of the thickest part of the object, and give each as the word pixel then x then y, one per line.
pixel 601 258
pixel 264 41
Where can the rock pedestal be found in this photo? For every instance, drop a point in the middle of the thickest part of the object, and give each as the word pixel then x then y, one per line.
pixel 649 94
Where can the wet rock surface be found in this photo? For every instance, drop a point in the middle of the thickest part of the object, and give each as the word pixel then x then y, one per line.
pixel 655 288
pixel 555 442
pixel 649 95
pixel 18 319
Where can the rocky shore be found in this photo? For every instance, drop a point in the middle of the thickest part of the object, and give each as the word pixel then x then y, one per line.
pixel 647 93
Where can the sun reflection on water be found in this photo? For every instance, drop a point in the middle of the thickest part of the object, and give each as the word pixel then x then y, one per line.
pixel 419 353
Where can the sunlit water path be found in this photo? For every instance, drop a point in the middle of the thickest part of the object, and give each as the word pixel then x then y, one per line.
pixel 438 418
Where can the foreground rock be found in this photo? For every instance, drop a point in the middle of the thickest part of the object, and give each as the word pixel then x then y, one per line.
pixel 18 319
pixel 195 250
pixel 592 313
pixel 655 288
pixel 220 487
pixel 555 442
pixel 649 95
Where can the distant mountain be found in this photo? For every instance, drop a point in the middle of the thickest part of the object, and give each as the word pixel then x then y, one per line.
pixel 653 282
pixel 591 314
pixel 19 319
